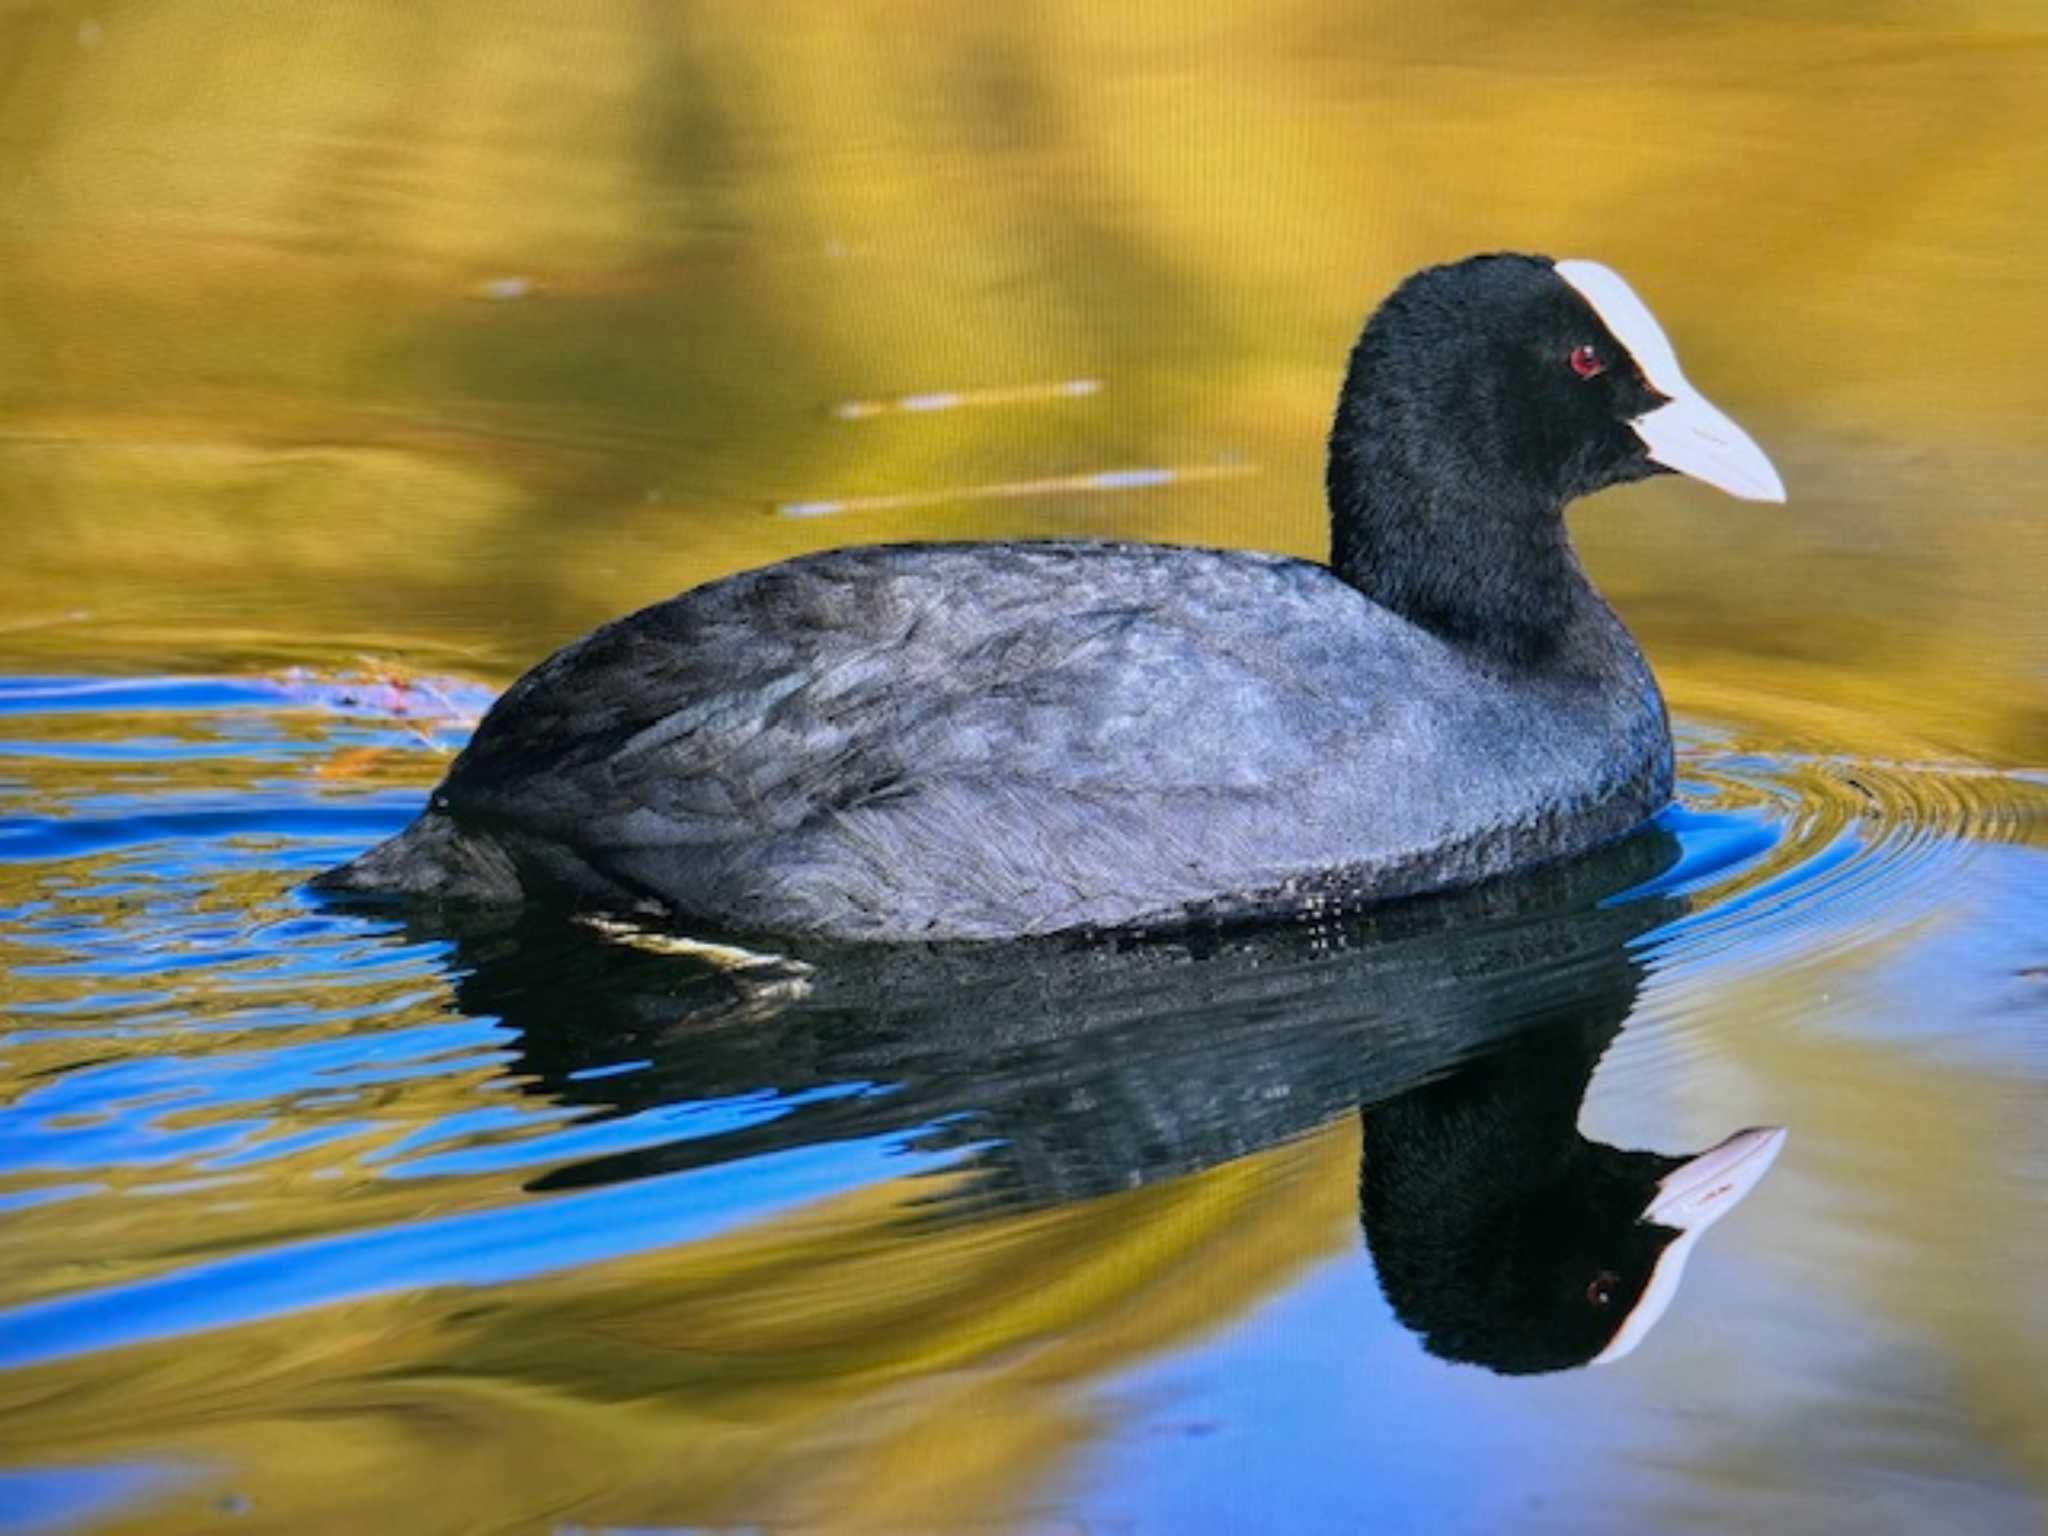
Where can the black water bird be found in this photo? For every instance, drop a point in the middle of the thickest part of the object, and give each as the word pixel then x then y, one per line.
pixel 1464 1030
pixel 1004 739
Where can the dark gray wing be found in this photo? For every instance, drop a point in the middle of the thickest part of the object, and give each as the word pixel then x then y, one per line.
pixel 991 738
pixel 758 704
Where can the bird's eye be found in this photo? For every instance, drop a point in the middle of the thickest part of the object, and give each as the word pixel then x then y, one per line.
pixel 1587 363
pixel 1600 1291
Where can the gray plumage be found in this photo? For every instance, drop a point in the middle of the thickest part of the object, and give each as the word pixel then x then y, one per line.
pixel 911 741
pixel 932 741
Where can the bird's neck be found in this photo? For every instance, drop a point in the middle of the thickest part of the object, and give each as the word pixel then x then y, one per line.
pixel 1445 1159
pixel 1492 572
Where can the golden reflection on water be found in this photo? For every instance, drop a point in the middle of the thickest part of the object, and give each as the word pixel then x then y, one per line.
pixel 459 325
pixel 799 1372
pixel 441 332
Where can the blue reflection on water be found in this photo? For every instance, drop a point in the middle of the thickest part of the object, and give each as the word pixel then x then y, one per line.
pixel 26 838
pixel 1712 846
pixel 491 1247
pixel 666 1125
pixel 61 1498
pixel 130 1082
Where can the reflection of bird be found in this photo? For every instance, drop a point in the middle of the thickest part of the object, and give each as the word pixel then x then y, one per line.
pixel 1467 1027
pixel 995 740
pixel 1505 1238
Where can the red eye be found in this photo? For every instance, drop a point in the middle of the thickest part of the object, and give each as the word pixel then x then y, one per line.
pixel 1587 363
pixel 1601 1292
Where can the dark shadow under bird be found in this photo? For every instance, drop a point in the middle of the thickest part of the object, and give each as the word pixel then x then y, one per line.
pixel 1464 1030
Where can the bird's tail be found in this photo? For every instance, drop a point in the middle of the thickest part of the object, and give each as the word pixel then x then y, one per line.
pixel 434 859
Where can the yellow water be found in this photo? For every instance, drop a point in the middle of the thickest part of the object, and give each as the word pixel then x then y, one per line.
pixel 255 386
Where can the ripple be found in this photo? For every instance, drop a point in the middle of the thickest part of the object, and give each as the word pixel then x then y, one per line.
pixel 489 1247
pixel 1799 855
pixel 380 696
pixel 192 1044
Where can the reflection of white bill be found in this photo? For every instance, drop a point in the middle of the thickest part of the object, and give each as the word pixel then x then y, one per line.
pixel 1690 1199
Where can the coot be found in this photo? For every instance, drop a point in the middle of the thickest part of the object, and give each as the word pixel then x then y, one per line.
pixel 963 741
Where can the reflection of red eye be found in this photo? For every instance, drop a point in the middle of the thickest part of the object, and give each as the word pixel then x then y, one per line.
pixel 1601 1291
pixel 1587 363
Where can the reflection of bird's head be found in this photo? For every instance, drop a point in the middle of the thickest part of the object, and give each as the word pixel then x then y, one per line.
pixel 1505 1239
